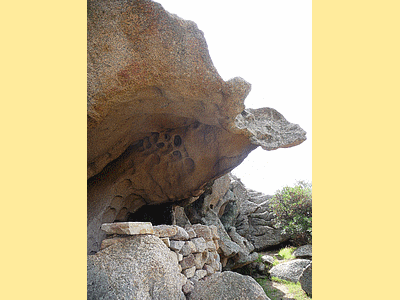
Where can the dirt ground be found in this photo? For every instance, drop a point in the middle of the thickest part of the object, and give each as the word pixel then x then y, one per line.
pixel 282 292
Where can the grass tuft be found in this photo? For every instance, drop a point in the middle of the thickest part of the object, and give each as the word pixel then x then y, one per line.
pixel 286 253
pixel 271 292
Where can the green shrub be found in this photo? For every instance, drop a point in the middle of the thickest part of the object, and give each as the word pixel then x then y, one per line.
pixel 292 207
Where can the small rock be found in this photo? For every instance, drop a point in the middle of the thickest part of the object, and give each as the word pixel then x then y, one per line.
pixel 176 245
pixel 203 231
pixel 200 259
pixel 187 262
pixel 210 258
pixel 180 256
pixel 200 244
pixel 210 246
pixel 165 230
pixel 260 267
pixel 189 273
pixel 267 259
pixel 215 264
pixel 130 228
pixel 191 232
pixel 181 235
pixel 201 273
pixel 210 270
pixel 188 248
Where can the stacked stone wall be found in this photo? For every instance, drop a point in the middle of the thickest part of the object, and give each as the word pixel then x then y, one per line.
pixel 195 246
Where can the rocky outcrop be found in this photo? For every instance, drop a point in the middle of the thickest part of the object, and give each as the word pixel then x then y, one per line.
pixel 306 280
pixel 290 270
pixel 137 267
pixel 162 123
pixel 243 218
pixel 256 222
pixel 235 251
pixel 228 286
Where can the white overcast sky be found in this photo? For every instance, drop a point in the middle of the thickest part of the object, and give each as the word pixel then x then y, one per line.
pixel 268 43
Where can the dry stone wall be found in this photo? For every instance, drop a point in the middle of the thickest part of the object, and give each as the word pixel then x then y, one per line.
pixel 195 246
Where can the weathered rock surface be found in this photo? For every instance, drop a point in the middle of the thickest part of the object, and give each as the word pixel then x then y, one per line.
pixel 243 219
pixel 227 286
pixel 306 280
pixel 269 129
pixel 129 228
pixel 256 222
pixel 138 267
pixel 291 270
pixel 162 123
pixel 165 230
pixel 303 252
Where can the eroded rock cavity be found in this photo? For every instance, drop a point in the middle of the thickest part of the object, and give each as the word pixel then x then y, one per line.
pixel 162 123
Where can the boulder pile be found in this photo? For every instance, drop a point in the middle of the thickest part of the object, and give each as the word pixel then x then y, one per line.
pixel 243 218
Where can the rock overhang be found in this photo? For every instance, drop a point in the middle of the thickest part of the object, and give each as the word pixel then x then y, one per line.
pixel 162 123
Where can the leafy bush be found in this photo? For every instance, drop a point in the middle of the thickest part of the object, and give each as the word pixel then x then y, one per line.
pixel 292 207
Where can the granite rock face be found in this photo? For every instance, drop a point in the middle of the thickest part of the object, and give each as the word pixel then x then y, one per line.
pixel 306 280
pixel 256 222
pixel 243 218
pixel 137 267
pixel 291 270
pixel 303 252
pixel 162 123
pixel 228 286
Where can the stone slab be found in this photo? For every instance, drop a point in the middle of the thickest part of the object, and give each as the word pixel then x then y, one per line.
pixel 165 230
pixel 129 228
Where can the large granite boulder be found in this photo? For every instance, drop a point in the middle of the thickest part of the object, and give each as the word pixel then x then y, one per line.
pixel 136 267
pixel 303 252
pixel 227 286
pixel 254 219
pixel 162 123
pixel 290 270
pixel 306 280
pixel 256 222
